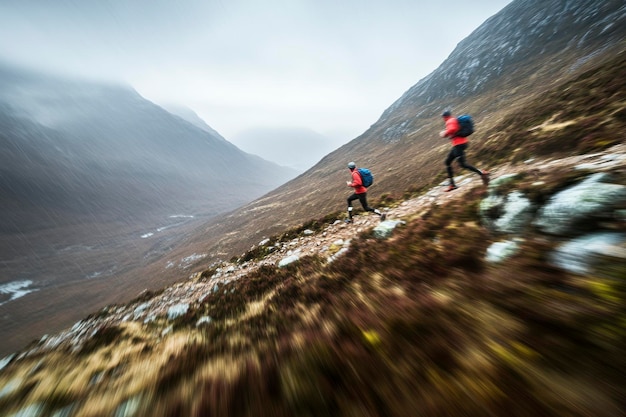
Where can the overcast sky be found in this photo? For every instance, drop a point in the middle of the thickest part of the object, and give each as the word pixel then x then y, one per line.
pixel 331 66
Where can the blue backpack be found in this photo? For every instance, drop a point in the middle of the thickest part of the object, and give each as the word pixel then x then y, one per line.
pixel 466 126
pixel 366 177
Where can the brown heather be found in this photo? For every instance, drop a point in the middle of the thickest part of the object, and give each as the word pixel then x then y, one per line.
pixel 414 325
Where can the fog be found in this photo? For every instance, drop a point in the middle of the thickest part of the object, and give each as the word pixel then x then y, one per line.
pixel 326 66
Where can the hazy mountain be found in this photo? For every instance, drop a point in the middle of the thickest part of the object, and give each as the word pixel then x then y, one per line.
pixel 76 151
pixel 103 150
pixel 192 117
pixel 297 148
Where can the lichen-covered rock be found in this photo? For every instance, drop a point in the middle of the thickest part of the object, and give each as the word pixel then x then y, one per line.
pixel 514 212
pixel 580 255
pixel 501 180
pixel 288 260
pixel 177 310
pixel 383 229
pixel 499 251
pixel 590 199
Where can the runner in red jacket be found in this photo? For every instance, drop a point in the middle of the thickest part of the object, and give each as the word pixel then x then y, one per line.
pixel 360 193
pixel 459 144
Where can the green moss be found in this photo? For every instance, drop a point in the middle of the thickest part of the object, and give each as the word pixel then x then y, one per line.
pixel 606 290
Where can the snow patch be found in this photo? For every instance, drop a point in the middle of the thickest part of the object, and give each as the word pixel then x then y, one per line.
pixel 14 290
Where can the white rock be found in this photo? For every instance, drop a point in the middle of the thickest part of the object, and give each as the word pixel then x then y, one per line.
pixel 384 229
pixel 202 320
pixel 177 311
pixel 579 255
pixel 10 387
pixel 5 361
pixel 288 260
pixel 338 254
pixel 499 251
pixel 576 203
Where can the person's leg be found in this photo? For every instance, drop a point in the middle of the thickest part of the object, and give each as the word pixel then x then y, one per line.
pixel 363 200
pixel 484 175
pixel 452 155
pixel 350 200
pixel 462 162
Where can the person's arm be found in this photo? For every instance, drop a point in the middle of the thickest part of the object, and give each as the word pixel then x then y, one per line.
pixel 452 126
pixel 356 180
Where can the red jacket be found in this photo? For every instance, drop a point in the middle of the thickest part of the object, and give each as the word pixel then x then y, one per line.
pixel 452 126
pixel 357 182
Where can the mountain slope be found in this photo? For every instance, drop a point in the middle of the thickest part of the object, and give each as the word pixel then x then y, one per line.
pixel 498 74
pixel 420 324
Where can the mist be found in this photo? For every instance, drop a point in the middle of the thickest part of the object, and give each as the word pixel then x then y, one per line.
pixel 326 67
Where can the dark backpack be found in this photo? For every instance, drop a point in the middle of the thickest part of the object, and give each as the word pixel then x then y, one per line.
pixel 366 177
pixel 466 126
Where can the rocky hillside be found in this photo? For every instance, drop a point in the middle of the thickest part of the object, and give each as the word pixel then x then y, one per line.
pixel 506 300
pixel 578 116
pixel 537 77
pixel 558 90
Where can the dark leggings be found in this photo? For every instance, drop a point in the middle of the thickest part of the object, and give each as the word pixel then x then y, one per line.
pixel 458 151
pixel 362 198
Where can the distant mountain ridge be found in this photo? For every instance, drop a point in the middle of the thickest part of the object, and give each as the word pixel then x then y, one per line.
pixel 128 155
pixel 296 148
pixel 96 183
pixel 192 117
pixel 525 32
